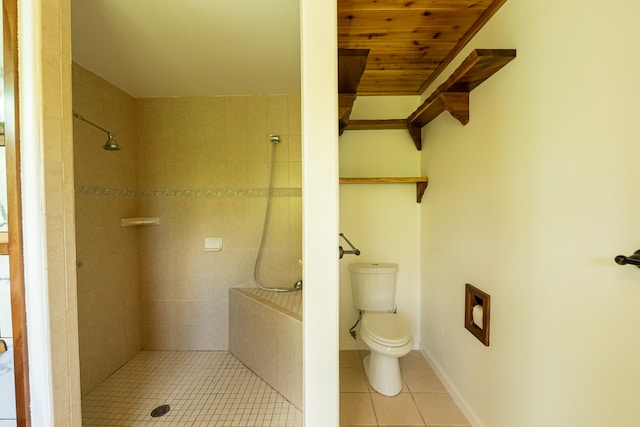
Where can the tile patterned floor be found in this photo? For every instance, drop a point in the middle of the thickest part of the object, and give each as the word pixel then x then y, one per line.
pixel 423 401
pixel 202 388
pixel 215 389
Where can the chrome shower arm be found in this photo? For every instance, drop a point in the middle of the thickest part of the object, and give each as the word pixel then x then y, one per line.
pixel 79 117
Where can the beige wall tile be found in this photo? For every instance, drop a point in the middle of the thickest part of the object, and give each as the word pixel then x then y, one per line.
pixel 108 290
pixel 269 343
pixel 186 145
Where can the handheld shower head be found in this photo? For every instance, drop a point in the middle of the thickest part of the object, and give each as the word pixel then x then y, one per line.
pixel 111 144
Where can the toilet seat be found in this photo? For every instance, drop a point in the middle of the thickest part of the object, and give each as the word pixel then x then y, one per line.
pixel 386 329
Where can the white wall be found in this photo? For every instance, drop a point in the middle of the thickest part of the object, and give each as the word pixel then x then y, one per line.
pixel 320 212
pixel 382 220
pixel 530 202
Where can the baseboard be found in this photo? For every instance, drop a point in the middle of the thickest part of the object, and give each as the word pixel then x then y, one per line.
pixel 468 412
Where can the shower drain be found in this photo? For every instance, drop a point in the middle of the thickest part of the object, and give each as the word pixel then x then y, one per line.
pixel 160 411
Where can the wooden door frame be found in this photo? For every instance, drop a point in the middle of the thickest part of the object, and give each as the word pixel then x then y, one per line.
pixel 14 211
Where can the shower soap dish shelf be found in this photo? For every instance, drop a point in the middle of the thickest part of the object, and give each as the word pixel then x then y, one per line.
pixel 130 222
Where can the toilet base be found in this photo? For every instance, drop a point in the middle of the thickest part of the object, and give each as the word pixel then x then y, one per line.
pixel 383 373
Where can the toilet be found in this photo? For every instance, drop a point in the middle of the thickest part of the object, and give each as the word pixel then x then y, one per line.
pixel 386 333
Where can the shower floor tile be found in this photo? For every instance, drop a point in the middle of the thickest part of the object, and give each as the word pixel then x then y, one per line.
pixel 202 388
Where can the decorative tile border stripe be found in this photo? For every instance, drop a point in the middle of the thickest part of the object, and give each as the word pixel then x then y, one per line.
pixel 218 193
pixel 105 191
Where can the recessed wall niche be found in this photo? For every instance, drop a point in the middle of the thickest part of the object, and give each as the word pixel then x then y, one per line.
pixel 477 311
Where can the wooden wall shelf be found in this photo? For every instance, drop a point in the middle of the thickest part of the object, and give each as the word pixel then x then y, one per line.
pixel 421 183
pixel 453 94
pixel 376 124
pixel 351 64
pixel 414 131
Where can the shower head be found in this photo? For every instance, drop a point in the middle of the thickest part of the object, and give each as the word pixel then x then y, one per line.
pixel 111 144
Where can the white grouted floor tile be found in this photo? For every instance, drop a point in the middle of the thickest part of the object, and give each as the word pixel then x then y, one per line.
pixel 202 388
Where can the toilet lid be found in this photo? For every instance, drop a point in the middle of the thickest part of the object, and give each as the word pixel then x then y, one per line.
pixel 386 328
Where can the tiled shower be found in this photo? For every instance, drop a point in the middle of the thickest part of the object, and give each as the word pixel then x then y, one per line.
pixel 200 165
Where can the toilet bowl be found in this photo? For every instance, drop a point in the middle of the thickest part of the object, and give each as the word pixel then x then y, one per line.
pixel 388 337
pixel 386 333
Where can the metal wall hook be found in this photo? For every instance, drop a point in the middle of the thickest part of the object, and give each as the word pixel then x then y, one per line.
pixel 633 259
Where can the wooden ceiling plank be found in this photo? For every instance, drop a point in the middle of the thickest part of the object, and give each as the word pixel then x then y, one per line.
pixel 395 51
pixel 414 4
pixel 408 40
pixel 407 18
pixel 402 54
pixel 390 66
pixel 392 74
pixel 401 32
pixel 438 6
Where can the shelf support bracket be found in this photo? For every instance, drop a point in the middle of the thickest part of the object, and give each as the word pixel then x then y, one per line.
pixel 416 135
pixel 420 189
pixel 457 104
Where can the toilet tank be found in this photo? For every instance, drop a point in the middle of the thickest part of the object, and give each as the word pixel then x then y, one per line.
pixel 373 286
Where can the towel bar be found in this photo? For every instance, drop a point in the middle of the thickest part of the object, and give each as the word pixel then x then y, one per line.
pixel 633 259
